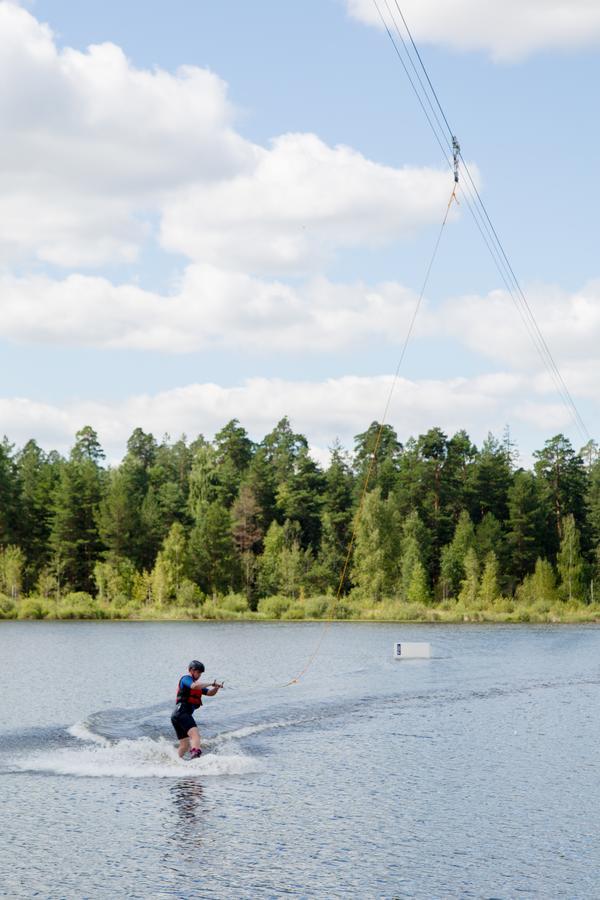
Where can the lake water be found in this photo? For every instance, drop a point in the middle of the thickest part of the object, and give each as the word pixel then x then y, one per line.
pixel 472 774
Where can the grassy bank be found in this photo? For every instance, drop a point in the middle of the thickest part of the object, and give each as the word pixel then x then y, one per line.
pixel 234 607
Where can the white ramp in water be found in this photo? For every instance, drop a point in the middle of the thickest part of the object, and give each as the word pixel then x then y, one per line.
pixel 411 650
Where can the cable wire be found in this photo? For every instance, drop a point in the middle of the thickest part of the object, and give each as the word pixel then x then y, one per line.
pixel 427 96
pixel 373 457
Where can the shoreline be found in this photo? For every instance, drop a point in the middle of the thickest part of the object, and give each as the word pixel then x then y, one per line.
pixel 435 617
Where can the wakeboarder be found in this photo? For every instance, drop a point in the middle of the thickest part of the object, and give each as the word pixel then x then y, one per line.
pixel 190 691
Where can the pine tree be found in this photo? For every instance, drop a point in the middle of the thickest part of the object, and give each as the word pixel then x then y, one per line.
pixel 336 522
pixel 204 480
pixel 592 501
pixel 233 454
pixel 461 454
pixel 247 536
pixel 299 498
pixel 74 540
pixel 36 476
pixel 212 558
pixel 7 493
pixel 526 524
pixel 119 516
pixel 490 479
pixel 377 453
pixel 330 565
pixel 562 474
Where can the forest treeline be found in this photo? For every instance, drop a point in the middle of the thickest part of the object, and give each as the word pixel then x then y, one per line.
pixel 230 527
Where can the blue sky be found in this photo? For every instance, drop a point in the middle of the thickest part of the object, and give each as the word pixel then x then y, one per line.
pixel 245 237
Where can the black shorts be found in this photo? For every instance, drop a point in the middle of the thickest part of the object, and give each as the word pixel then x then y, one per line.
pixel 182 723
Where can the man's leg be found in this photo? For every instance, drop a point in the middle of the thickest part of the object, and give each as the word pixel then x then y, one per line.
pixel 184 746
pixel 194 738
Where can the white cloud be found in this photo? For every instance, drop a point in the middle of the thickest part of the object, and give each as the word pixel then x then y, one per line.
pixel 321 410
pixel 301 202
pixel 213 308
pixel 492 325
pixel 89 143
pixel 210 307
pixel 95 152
pixel 506 29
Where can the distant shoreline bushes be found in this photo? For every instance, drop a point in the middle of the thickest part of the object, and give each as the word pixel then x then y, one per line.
pixel 231 608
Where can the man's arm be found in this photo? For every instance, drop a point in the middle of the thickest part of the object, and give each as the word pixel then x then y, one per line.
pixel 201 684
pixel 213 688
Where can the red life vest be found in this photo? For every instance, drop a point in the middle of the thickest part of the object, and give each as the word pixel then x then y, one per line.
pixel 188 695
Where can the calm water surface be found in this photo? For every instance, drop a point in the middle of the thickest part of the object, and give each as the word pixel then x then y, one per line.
pixel 473 774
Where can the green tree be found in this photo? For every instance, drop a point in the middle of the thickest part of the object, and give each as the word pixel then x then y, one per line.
pixel 377 558
pixel 74 540
pixel 592 500
pixel 174 556
pixel 561 473
pixel 377 453
pixel 490 538
pixel 489 590
pixel 461 454
pixel 233 453
pixel 418 586
pixel 167 481
pixel 260 479
pixel 490 479
pixel 336 524
pixel 269 566
pixel 330 567
pixel 543 581
pixel 36 475
pixel 469 586
pixel 87 447
pixel 433 479
pixel 526 524
pixel 212 558
pixel 204 480
pixel 247 536
pixel 282 448
pixel 413 550
pixel 284 568
pixel 452 568
pixel 299 498
pixel 7 493
pixel 119 516
pixel 570 563
pixel 115 580
pixel 141 449
pixel 12 562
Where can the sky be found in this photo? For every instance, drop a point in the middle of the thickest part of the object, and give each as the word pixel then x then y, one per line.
pixel 226 210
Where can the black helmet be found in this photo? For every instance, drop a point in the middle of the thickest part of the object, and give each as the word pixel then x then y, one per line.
pixel 196 664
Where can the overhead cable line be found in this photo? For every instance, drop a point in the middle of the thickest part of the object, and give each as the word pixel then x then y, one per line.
pixel 445 137
pixel 378 437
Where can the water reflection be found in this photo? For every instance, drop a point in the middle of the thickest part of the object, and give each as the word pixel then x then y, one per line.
pixel 188 796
